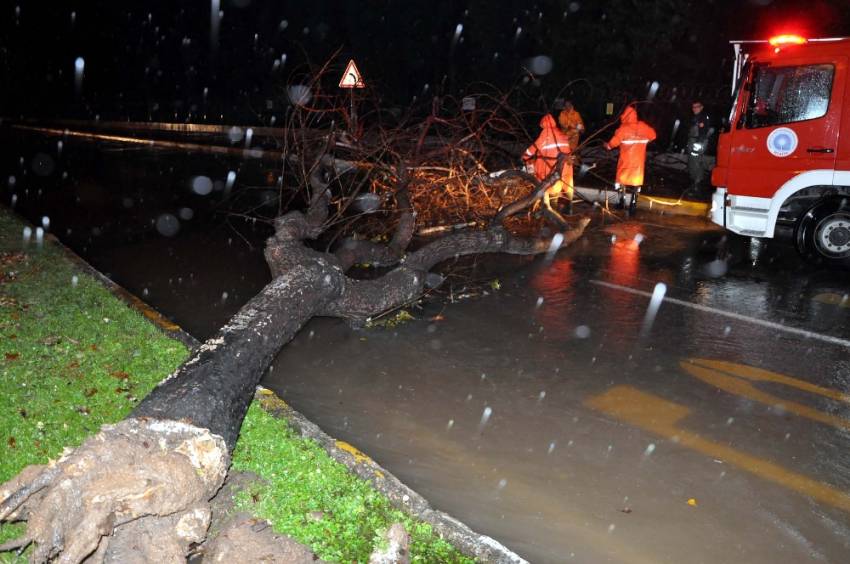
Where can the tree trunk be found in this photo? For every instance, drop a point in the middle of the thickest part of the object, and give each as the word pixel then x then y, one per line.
pixel 157 470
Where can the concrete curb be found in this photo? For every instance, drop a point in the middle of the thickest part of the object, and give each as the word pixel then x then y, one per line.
pixel 134 302
pixel 401 496
pixel 470 543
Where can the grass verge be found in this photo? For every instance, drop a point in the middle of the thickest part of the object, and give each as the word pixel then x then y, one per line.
pixel 75 357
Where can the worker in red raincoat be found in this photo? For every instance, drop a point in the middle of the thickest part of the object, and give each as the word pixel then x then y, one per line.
pixel 543 155
pixel 631 137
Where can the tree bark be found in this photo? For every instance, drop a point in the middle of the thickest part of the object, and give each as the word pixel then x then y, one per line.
pixel 158 468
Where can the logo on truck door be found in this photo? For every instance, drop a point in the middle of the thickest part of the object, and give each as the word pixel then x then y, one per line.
pixel 781 142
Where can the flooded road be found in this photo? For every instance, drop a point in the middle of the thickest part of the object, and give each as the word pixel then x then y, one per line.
pixel 555 416
pixel 656 393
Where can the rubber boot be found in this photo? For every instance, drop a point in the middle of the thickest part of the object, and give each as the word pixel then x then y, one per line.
pixel 633 203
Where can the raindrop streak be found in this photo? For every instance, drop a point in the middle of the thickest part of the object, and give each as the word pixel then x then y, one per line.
pixel 235 134
pixel 652 310
pixel 231 178
pixel 299 94
pixel 45 222
pixel 649 449
pixel 39 236
pixel 556 243
pixel 79 67
pixel 74 281
pixel 249 134
pixel 458 31
pixel 485 417
pixel 27 235
pixel 551 447
pixel 653 90
pixel 676 125
pixel 215 20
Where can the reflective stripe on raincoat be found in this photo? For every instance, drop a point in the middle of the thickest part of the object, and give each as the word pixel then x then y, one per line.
pixel 543 153
pixel 632 137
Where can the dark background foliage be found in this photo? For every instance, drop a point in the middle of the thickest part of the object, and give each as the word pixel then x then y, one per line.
pixel 160 59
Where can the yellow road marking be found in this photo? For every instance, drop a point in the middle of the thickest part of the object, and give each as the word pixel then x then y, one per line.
pixel 734 379
pixel 833 299
pixel 661 417
pixel 759 374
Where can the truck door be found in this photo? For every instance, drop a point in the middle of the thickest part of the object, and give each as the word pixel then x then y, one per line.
pixel 789 124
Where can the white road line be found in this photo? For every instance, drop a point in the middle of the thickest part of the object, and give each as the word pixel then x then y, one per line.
pixel 802 332
pixel 255 153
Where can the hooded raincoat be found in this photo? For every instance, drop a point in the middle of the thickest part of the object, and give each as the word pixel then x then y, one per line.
pixel 543 154
pixel 572 125
pixel 632 137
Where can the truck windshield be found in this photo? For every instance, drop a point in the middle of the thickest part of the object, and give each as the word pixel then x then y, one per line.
pixel 789 94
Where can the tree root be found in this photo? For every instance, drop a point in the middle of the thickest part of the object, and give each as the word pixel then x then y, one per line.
pixel 134 480
pixel 247 539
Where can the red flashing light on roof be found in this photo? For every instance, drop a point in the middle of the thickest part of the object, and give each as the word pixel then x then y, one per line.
pixel 779 40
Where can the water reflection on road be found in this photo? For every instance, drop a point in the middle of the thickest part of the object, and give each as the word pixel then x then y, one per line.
pixel 537 415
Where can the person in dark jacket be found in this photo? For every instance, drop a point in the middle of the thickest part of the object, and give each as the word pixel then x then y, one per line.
pixel 701 148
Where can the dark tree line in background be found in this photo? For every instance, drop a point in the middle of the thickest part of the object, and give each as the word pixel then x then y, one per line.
pixel 157 60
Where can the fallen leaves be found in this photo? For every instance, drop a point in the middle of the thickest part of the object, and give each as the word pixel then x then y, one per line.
pixel 13 356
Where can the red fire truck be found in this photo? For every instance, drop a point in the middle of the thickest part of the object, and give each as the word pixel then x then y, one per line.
pixel 784 158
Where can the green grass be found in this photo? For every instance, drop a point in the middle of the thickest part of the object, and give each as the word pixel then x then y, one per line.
pixel 75 357
pixel 303 479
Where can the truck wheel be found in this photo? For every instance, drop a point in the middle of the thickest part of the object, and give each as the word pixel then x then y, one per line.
pixel 822 234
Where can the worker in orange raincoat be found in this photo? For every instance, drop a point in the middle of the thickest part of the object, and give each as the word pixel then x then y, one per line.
pixel 631 137
pixel 543 154
pixel 571 124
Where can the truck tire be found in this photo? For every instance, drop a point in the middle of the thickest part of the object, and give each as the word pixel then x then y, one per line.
pixel 822 234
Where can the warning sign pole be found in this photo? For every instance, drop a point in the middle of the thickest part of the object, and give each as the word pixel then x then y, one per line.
pixel 353 80
pixel 353 113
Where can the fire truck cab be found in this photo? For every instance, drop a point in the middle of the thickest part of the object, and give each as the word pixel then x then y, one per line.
pixel 784 157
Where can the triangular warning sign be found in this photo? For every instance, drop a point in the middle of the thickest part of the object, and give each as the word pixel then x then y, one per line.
pixel 352 78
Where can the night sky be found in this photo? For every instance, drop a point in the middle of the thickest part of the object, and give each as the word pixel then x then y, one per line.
pixel 167 60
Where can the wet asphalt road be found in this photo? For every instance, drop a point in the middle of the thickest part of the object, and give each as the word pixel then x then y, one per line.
pixel 554 413
pixel 554 416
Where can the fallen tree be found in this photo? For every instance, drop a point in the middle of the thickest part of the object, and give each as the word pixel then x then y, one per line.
pixel 139 490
